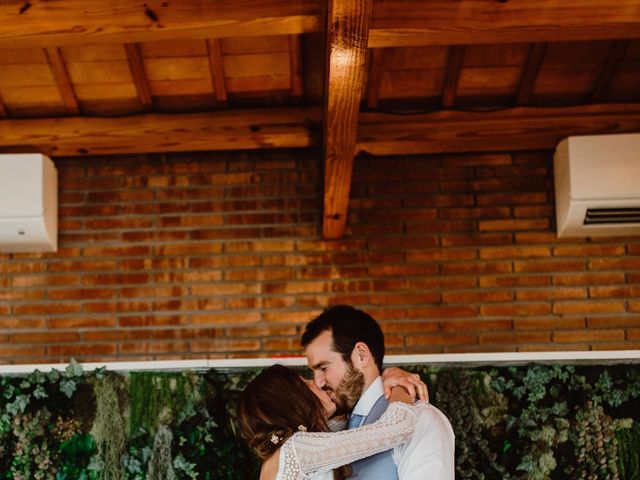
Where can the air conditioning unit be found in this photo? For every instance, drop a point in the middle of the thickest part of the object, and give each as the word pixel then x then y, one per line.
pixel 28 203
pixel 597 185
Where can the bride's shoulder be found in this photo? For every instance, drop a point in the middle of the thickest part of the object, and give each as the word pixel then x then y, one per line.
pixel 269 469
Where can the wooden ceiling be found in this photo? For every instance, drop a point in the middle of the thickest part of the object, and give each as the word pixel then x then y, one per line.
pixel 87 77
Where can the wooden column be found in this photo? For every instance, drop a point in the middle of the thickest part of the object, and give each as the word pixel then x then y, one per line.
pixel 347 37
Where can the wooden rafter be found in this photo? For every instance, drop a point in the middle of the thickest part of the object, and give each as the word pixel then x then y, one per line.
pixel 394 23
pixel 516 129
pixel 139 75
pixel 610 66
pixel 347 34
pixel 530 73
pixel 61 77
pixel 452 75
pixel 79 22
pixel 295 66
pixel 216 67
pixel 468 22
pixel 375 77
pixel 221 130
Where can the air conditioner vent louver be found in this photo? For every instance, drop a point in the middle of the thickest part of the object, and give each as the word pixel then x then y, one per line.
pixel 596 216
pixel 597 186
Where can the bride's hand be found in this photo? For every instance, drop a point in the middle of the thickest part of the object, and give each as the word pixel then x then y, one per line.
pixel 411 382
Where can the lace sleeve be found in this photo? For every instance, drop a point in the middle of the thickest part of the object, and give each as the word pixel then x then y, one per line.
pixel 307 452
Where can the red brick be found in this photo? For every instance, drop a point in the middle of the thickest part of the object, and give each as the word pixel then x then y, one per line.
pixel 587 279
pixel 589 306
pixel 549 323
pixel 477 239
pixel 550 294
pixel 575 336
pixel 476 268
pixel 626 263
pixel 551 266
pixel 613 321
pixel 514 338
pixel 514 252
pixel 615 292
pixel 46 308
pixel 228 318
pixel 409 327
pixel 441 339
pixel 477 296
pixel 45 337
pixel 515 281
pixel 588 250
pixel 441 255
pixel 81 322
pixel 515 309
pixel 92 351
pixel 476 325
pixel 402 270
pixel 404 298
pixel 217 345
pixel 442 312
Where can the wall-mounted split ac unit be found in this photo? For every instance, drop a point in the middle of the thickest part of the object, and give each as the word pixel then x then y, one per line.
pixel 28 203
pixel 597 185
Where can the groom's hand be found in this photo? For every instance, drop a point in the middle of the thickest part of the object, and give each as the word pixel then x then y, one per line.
pixel 411 382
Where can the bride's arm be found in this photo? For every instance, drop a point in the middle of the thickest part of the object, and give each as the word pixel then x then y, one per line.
pixel 322 451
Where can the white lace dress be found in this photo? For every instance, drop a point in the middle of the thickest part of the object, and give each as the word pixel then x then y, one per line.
pixel 313 455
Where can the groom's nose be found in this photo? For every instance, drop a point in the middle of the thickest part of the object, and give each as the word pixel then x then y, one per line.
pixel 319 380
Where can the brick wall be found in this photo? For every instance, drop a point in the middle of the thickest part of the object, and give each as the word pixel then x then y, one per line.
pixel 217 255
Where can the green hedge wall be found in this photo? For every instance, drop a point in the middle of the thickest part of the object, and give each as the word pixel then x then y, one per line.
pixel 515 422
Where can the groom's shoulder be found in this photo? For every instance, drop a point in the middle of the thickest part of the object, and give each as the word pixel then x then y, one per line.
pixel 431 420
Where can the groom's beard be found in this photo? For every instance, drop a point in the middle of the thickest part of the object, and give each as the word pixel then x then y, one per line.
pixel 348 391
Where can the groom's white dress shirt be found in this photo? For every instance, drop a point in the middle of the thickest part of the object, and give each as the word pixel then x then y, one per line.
pixel 430 452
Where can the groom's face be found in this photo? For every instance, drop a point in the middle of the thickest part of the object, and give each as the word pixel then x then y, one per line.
pixel 333 374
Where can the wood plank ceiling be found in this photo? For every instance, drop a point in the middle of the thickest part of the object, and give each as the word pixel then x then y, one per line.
pixel 86 77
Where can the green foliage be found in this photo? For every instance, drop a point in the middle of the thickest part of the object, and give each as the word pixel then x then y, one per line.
pixel 555 422
pixel 628 437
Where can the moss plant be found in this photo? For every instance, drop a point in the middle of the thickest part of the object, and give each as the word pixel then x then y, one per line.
pixel 156 398
pixel 161 461
pixel 108 428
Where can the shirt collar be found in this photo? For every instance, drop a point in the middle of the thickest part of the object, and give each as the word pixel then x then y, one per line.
pixel 369 398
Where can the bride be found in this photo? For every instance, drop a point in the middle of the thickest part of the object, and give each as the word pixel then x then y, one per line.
pixel 284 418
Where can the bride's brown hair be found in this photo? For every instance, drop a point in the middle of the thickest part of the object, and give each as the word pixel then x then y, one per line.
pixel 273 405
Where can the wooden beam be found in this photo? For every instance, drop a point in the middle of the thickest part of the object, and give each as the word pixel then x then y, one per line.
pixel 455 58
pixel 530 73
pixel 62 79
pixel 80 22
pixel 394 23
pixel 139 75
pixel 295 66
pixel 222 130
pixel 347 34
pixel 616 53
pixel 375 77
pixel 466 22
pixel 516 129
pixel 216 67
pixel 522 128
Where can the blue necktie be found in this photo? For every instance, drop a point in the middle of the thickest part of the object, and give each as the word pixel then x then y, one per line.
pixel 355 421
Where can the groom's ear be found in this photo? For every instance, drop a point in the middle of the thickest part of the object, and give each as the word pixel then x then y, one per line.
pixel 361 355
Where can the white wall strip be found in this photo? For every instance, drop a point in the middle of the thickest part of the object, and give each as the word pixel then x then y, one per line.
pixel 458 359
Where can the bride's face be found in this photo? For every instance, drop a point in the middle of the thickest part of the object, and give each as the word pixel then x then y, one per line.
pixel 327 403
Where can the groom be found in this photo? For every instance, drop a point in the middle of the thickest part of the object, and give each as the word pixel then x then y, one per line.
pixel 344 347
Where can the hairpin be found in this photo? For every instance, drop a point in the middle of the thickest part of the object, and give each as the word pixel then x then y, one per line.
pixel 302 428
pixel 275 439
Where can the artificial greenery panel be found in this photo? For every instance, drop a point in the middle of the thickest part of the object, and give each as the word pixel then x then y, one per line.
pixel 531 421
